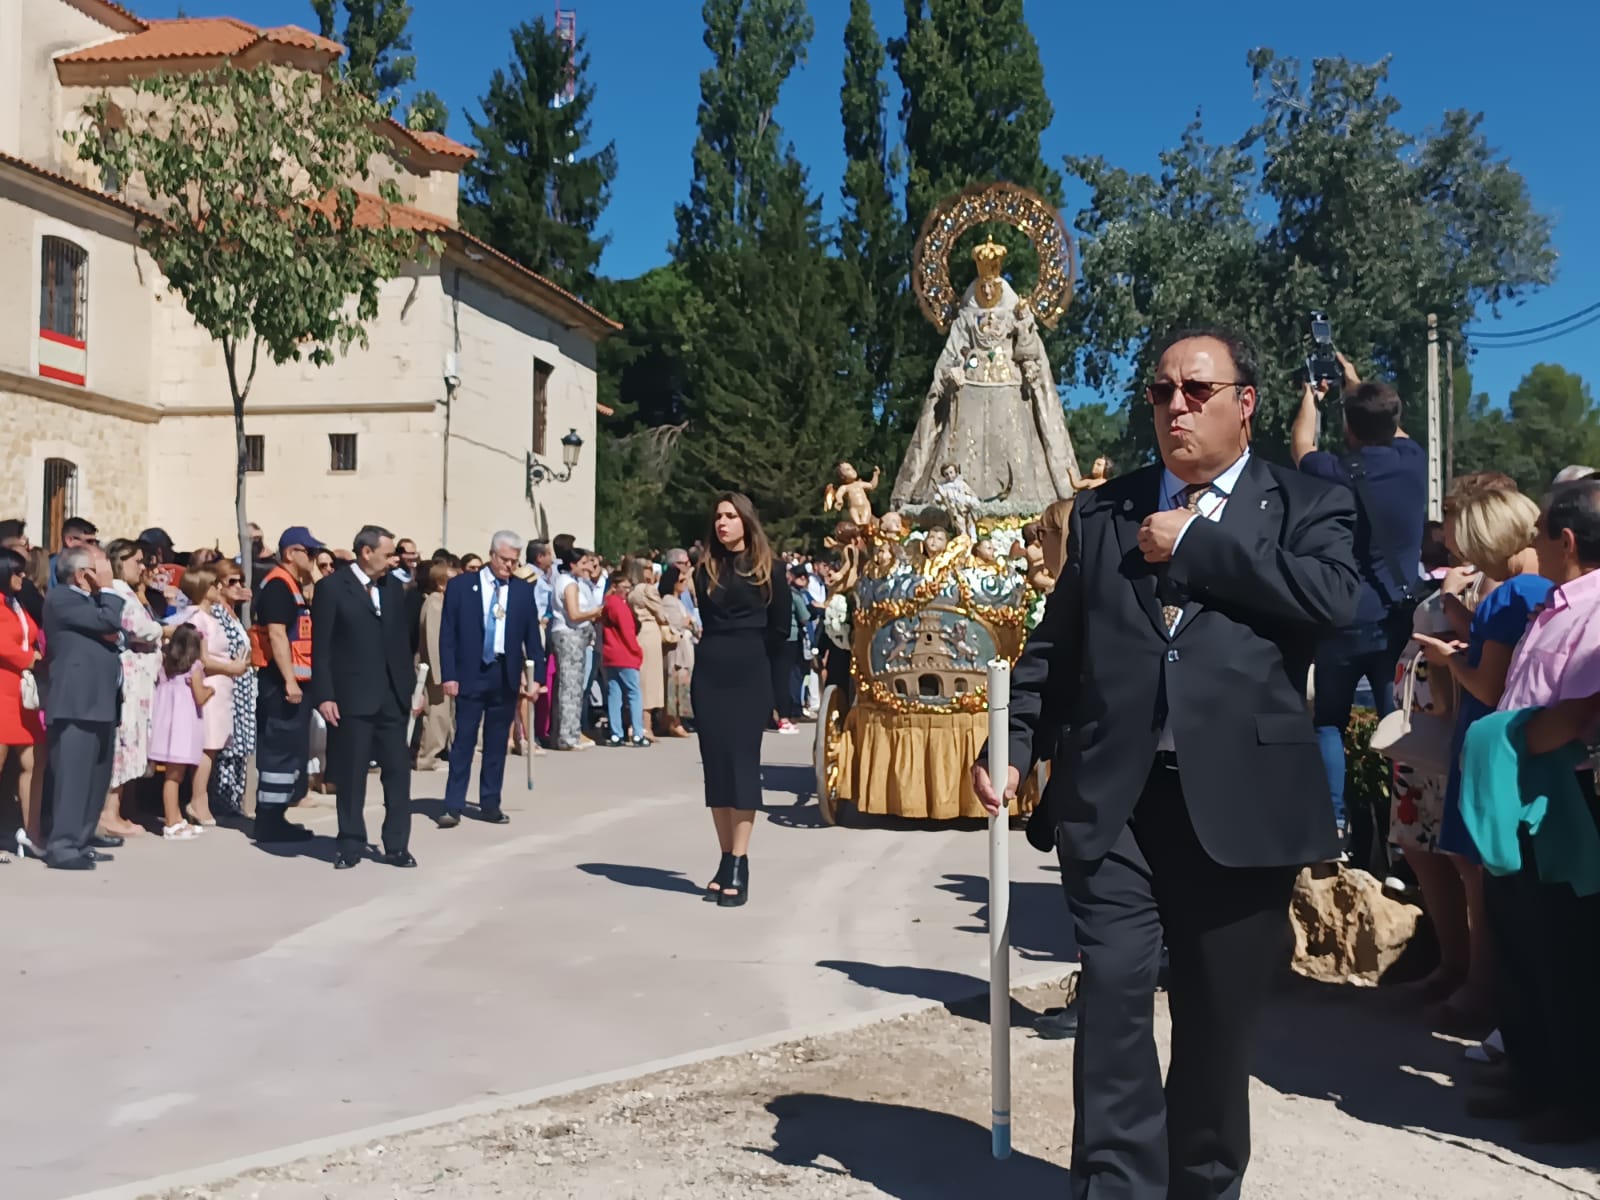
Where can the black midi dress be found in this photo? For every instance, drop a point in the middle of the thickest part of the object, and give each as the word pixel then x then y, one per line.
pixel 732 685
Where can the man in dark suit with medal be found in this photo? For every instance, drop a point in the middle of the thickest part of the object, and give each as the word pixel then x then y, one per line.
pixel 361 683
pixel 489 631
pixel 1169 672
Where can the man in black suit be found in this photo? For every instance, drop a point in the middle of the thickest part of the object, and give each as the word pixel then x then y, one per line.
pixel 83 700
pixel 1187 789
pixel 361 683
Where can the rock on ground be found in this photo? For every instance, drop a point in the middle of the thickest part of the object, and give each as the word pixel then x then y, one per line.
pixel 1354 1098
pixel 1346 927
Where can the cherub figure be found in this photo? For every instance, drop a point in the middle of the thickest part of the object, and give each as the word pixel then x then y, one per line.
pixel 851 495
pixel 984 552
pixel 1098 475
pixel 892 526
pixel 959 501
pixel 845 533
pixel 1038 574
pixel 940 550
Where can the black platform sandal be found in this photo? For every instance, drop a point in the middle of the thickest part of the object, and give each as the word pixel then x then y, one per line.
pixel 720 879
pixel 737 889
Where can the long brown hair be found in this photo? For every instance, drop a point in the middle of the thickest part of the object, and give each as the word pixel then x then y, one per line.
pixel 755 564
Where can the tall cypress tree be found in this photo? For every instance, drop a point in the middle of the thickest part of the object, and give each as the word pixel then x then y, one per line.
pixel 378 56
pixel 766 406
pixel 537 189
pixel 872 238
pixel 974 107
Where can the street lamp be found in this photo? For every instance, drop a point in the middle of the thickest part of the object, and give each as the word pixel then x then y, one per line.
pixel 542 472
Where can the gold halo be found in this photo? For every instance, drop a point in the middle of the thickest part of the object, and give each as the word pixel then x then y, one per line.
pixel 982 204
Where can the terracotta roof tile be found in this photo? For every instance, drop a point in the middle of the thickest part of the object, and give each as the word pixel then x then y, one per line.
pixel 203 37
pixel 67 181
pixel 441 144
pixel 97 10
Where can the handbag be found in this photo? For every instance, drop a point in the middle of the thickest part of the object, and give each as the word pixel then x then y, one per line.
pixel 1411 737
pixel 30 692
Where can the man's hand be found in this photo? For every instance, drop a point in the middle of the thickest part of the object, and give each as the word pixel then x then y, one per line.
pixel 1437 651
pixel 1351 379
pixel 984 786
pixel 330 713
pixel 1457 580
pixel 292 692
pixel 451 687
pixel 421 706
pixel 532 691
pixel 1311 392
pixel 1159 534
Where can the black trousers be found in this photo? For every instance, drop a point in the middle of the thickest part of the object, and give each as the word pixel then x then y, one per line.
pixel 788 659
pixel 283 743
pixel 1225 929
pixel 352 744
pixel 80 776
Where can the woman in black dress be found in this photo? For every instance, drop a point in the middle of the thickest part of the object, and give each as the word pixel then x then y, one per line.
pixel 744 610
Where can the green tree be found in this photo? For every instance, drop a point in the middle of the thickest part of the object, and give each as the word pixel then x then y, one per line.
pixel 538 189
pixel 973 108
pixel 1375 225
pixel 1098 429
pixel 426 113
pixel 767 406
pixel 253 176
pixel 873 242
pixel 378 58
pixel 1549 421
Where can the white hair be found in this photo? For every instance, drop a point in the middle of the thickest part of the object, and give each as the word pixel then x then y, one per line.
pixel 505 538
pixel 72 560
pixel 1568 474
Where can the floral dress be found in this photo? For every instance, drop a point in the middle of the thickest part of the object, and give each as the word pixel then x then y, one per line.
pixel 141 667
pixel 233 761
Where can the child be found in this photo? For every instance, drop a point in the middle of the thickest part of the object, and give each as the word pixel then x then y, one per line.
pixel 622 657
pixel 177 724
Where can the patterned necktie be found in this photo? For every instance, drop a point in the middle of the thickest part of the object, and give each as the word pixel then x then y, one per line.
pixel 489 627
pixel 1172 604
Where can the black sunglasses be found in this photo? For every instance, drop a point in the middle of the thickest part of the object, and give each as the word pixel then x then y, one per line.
pixel 1196 391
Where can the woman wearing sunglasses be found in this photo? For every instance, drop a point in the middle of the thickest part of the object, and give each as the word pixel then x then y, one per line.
pixel 233 760
pixel 131 566
pixel 21 733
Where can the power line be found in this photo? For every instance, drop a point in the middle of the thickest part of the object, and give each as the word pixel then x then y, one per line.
pixel 1535 341
pixel 1517 333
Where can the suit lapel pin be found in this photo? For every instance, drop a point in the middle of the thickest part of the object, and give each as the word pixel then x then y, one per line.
pixel 1263 506
pixel 1127 506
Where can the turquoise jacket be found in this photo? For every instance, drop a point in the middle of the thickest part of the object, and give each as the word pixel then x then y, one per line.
pixel 1504 789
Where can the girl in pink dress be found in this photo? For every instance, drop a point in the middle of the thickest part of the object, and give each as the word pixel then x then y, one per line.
pixel 177 728
pixel 200 585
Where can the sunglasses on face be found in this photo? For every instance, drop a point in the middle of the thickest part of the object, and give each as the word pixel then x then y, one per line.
pixel 1195 391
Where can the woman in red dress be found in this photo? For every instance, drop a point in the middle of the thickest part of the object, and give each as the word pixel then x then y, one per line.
pixel 21 733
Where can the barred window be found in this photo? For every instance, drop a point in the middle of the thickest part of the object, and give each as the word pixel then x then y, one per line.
pixel 255 453
pixel 60 498
pixel 541 403
pixel 63 288
pixel 343 446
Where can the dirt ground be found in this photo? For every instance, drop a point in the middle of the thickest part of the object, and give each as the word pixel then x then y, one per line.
pixel 1353 1099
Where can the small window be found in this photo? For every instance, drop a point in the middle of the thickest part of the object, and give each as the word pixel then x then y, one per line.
pixel 64 289
pixel 541 403
pixel 343 446
pixel 255 453
pixel 60 498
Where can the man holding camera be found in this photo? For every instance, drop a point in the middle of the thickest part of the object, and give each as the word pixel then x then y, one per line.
pixel 1388 472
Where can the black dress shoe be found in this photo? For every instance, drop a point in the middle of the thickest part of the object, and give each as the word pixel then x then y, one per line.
pixel 105 841
pixel 494 818
pixel 345 860
pixel 95 856
pixel 81 863
pixel 399 858
pixel 449 820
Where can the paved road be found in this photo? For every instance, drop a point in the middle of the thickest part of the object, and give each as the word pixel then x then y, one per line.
pixel 195 1002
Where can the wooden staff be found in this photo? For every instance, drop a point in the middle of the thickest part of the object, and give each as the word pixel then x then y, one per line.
pixel 530 676
pixel 418 694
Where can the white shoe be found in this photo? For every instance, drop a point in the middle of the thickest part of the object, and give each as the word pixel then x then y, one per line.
pixel 181 832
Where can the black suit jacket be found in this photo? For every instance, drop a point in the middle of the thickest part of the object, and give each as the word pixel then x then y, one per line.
pixel 83 672
pixel 356 655
pixel 1262 584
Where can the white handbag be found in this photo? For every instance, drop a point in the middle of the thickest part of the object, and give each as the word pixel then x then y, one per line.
pixel 30 684
pixel 1412 737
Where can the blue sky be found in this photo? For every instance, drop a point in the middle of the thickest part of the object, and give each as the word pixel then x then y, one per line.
pixel 1124 80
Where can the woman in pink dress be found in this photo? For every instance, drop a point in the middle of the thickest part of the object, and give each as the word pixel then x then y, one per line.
pixel 178 725
pixel 202 589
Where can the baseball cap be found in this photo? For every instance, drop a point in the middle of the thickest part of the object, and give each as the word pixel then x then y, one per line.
pixel 298 535
pixel 156 536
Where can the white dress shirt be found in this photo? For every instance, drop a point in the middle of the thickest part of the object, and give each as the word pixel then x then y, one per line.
pixel 1209 509
pixel 368 587
pixel 494 592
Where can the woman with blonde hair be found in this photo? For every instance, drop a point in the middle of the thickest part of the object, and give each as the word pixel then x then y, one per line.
pixel 655 635
pixel 679 655
pixel 744 608
pixel 439 721
pixel 1492 528
pixel 141 669
pixel 201 586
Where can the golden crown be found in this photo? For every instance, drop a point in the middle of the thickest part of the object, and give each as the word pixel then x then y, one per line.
pixel 990 257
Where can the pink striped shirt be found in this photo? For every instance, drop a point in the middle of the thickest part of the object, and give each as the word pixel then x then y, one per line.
pixel 1558 657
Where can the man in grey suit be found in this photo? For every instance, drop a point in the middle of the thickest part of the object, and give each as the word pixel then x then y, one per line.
pixel 82 700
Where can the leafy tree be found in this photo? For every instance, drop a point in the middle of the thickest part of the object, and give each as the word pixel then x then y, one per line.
pixel 973 108
pixel 378 58
pixel 1372 224
pixel 1550 421
pixel 873 242
pixel 1097 430
pixel 253 175
pixel 427 113
pixel 537 190
pixel 767 408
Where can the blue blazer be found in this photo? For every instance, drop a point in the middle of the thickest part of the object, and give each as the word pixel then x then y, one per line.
pixel 461 635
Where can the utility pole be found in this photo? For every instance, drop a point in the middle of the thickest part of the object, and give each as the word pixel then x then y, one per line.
pixel 1450 412
pixel 1435 438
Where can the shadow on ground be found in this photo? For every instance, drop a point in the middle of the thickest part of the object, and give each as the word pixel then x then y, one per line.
pixel 1369 1052
pixel 909 1153
pixel 654 878
pixel 964 996
pixel 1041 926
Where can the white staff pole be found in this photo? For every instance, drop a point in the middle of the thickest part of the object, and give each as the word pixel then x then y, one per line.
pixel 419 692
pixel 530 676
pixel 1000 912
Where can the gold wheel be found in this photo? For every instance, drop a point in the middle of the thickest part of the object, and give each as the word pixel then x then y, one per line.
pixel 827 753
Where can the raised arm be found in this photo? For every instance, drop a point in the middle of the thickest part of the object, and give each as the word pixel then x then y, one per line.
pixel 1303 434
pixel 1310 581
